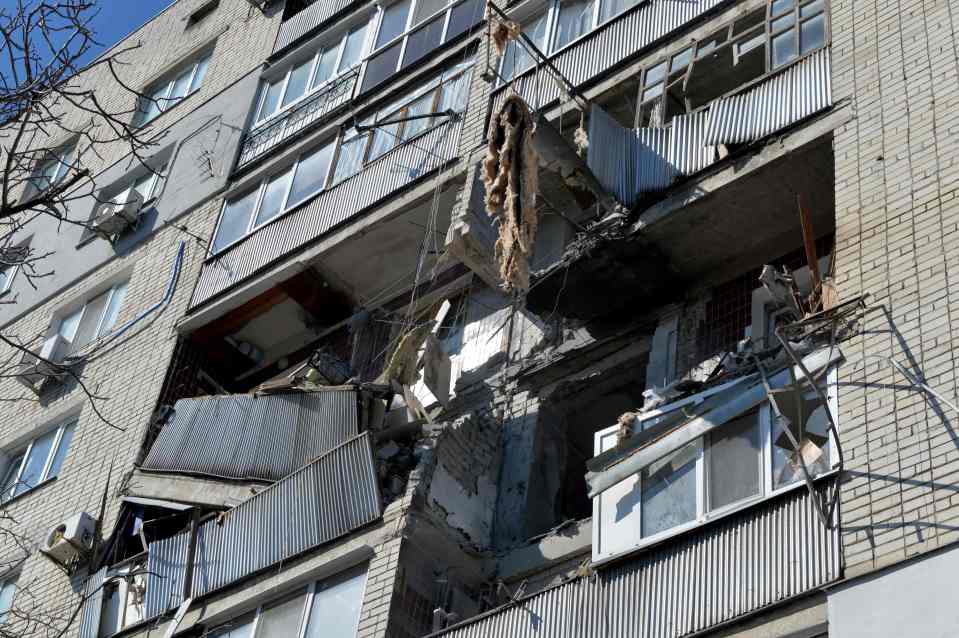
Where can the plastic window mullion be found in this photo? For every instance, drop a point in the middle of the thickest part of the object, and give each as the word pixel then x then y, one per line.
pixel 53 452
pixel 256 208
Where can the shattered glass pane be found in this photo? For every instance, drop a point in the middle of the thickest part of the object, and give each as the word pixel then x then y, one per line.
pixel 810 427
pixel 669 491
pixel 734 452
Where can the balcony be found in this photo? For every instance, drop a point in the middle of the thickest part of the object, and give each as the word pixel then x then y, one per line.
pixel 396 170
pixel 743 563
pixel 264 138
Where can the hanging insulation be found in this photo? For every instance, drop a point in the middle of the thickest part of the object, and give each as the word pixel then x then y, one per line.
pixel 510 174
pixel 501 32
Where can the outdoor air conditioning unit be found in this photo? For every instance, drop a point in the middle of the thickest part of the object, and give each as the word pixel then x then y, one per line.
pixel 71 539
pixel 34 370
pixel 112 218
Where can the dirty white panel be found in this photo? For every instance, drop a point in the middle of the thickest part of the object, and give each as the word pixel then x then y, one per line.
pixel 616 512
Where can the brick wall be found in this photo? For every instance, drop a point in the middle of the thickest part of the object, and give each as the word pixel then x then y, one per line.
pixel 896 217
pixel 128 374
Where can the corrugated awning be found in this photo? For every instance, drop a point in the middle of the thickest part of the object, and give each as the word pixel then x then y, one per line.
pixel 641 450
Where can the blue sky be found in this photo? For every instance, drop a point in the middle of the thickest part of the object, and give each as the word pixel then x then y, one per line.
pixel 116 18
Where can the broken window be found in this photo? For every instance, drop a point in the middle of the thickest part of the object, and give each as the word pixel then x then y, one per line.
pixel 123 596
pixel 745 459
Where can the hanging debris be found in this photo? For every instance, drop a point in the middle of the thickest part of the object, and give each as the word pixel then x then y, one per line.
pixel 403 366
pixel 510 174
pixel 501 32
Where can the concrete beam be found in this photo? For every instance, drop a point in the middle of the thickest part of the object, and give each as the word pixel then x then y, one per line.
pixel 194 490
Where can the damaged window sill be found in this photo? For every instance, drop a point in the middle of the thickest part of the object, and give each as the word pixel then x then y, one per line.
pixel 648 544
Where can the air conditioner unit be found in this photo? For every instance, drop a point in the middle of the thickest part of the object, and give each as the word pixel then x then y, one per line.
pixel 112 218
pixel 71 539
pixel 34 370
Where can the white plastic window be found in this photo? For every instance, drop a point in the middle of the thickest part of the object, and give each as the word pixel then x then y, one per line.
pixel 169 91
pixel 94 319
pixel 744 460
pixel 272 197
pixel 8 590
pixel 54 168
pixel 37 462
pixel 307 76
pixel 446 93
pixel 326 609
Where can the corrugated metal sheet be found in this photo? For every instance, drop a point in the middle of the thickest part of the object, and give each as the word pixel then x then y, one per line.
pixel 330 497
pixel 799 91
pixel 320 502
pixel 92 605
pixel 630 162
pixel 256 437
pixel 607 46
pixel 753 559
pixel 307 20
pixel 166 568
pixel 688 151
pixel 263 139
pixel 399 168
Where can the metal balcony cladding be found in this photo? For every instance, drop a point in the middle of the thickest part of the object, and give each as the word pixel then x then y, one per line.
pixel 739 565
pixel 253 437
pixel 655 157
pixel 334 181
pixel 332 496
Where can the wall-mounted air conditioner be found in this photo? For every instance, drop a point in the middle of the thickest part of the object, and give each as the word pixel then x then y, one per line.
pixel 112 218
pixel 34 370
pixel 71 539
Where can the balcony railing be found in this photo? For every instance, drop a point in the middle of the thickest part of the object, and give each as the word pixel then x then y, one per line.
pixel 761 556
pixel 264 138
pixel 407 163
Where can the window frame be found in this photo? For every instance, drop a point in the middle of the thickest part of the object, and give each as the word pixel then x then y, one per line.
pixel 259 119
pixel 260 187
pixel 64 156
pixel 796 26
pixel 163 103
pixel 83 308
pixel 408 27
pixel 704 514
pixel 396 110
pixel 9 494
pixel 308 592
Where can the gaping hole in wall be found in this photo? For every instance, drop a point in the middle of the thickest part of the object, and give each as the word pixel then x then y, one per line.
pixel 275 330
pixel 569 420
pixel 729 314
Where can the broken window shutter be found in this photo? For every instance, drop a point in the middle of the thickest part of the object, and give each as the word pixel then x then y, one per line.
pixel 92 605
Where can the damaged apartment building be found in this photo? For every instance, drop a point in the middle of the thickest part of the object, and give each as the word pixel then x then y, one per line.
pixel 541 318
